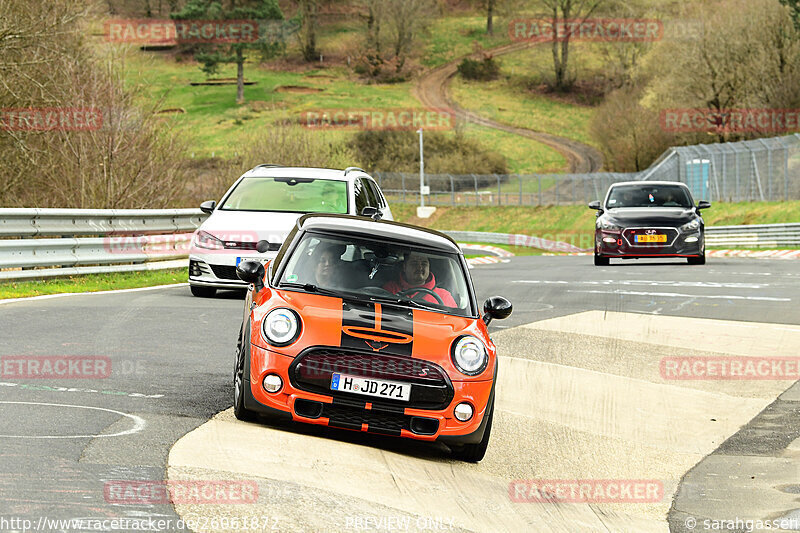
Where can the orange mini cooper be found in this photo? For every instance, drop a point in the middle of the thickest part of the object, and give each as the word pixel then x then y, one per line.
pixel 372 326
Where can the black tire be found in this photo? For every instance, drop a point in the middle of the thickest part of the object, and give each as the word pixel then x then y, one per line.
pixel 473 453
pixel 601 261
pixel 699 260
pixel 203 292
pixel 241 376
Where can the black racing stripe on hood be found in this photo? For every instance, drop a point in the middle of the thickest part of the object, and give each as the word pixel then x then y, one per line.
pixel 378 327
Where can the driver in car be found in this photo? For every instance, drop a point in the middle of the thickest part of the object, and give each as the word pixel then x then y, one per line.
pixel 416 274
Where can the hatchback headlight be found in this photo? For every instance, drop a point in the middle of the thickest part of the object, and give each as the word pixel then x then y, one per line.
pixel 608 226
pixel 694 225
pixel 203 239
pixel 281 327
pixel 469 355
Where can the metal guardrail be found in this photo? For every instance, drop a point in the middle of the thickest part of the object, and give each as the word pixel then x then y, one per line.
pixel 42 243
pixel 755 236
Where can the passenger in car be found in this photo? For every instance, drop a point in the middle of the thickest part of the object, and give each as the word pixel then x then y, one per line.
pixel 328 266
pixel 416 274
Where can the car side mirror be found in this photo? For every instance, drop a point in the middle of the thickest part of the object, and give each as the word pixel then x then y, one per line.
pixel 371 212
pixel 702 204
pixel 251 272
pixel 496 307
pixel 263 246
pixel 208 207
pixel 596 206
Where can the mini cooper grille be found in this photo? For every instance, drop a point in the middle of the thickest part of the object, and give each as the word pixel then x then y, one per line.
pixel 630 235
pixel 348 414
pixel 431 388
pixel 224 272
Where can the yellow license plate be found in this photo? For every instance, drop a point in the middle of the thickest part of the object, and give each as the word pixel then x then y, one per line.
pixel 651 238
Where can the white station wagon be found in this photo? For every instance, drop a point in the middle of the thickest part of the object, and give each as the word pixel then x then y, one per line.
pixel 264 204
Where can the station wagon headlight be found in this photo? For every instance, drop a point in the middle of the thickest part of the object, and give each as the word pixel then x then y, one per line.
pixel 281 327
pixel 691 226
pixel 469 355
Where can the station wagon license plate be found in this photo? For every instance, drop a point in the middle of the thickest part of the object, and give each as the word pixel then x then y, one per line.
pixel 371 387
pixel 240 259
pixel 651 238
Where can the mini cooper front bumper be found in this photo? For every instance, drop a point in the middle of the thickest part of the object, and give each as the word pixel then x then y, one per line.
pixel 305 395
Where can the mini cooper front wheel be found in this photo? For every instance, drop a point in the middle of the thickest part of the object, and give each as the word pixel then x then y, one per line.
pixel 241 376
pixel 473 453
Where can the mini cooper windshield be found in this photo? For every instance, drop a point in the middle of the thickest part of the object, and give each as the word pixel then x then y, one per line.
pixel 360 268
pixel 649 196
pixel 297 195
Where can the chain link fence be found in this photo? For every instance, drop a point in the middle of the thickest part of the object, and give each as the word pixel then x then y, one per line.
pixel 759 170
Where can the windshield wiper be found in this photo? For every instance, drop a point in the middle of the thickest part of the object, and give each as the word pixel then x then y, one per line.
pixel 309 287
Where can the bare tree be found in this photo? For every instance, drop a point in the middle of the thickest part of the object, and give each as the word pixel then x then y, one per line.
pixel 747 55
pixel 308 11
pixel 559 12
pixel 405 21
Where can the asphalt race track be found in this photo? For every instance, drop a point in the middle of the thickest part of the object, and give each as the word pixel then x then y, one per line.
pixel 582 395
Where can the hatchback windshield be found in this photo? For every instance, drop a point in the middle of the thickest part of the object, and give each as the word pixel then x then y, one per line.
pixel 357 267
pixel 649 196
pixel 297 195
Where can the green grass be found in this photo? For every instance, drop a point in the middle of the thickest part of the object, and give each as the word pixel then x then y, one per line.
pixel 92 283
pixel 509 99
pixel 454 37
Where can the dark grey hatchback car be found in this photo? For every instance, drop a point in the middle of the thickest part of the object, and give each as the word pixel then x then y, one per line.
pixel 649 219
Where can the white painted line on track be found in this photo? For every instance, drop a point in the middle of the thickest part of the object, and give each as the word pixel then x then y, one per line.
pixel 654 283
pixel 48 388
pixel 60 295
pixel 679 295
pixel 138 423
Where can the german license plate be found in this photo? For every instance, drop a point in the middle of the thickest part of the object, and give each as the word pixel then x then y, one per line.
pixel 651 238
pixel 371 387
pixel 240 259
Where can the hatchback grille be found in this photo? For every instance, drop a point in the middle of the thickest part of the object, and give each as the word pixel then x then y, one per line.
pixel 224 272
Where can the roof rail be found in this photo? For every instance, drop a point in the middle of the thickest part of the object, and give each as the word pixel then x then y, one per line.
pixel 348 169
pixel 267 165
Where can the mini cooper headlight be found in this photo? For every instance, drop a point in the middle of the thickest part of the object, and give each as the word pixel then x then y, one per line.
pixel 469 355
pixel 281 327
pixel 608 226
pixel 691 226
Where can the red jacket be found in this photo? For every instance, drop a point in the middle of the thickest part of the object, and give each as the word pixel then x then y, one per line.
pixel 397 286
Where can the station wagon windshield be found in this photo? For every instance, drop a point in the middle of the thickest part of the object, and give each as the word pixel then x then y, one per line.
pixel 649 196
pixel 296 195
pixel 381 271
